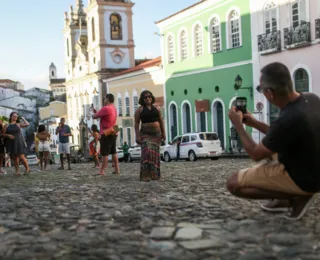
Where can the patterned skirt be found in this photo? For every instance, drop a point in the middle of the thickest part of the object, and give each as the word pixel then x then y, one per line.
pixel 150 154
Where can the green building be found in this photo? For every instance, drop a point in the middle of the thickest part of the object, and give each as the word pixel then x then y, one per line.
pixel 205 47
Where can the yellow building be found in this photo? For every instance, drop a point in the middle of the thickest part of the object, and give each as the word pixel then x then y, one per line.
pixel 127 86
pixel 55 109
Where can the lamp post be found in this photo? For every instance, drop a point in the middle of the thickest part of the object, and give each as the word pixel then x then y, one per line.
pixel 238 85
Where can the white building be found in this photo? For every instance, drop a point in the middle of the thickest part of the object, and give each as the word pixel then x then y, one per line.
pixel 6 92
pixel 16 85
pixel 5 111
pixel 98 43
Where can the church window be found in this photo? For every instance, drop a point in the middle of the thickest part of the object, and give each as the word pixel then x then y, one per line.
pixel 115 27
pixel 198 40
pixel 93 30
pixel 52 73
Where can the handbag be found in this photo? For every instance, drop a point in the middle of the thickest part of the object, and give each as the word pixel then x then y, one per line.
pixel 111 130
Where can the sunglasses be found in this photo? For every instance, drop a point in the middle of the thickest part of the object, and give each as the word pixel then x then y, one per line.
pixel 260 89
pixel 146 97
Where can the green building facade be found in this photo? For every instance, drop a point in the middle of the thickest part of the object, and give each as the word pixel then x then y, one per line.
pixel 204 48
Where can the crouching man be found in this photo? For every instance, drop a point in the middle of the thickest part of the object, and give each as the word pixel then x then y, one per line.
pixel 291 178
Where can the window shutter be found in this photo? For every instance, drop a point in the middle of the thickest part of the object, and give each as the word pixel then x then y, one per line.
pixel 96 103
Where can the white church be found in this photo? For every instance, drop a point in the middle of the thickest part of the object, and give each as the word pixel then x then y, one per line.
pixel 98 43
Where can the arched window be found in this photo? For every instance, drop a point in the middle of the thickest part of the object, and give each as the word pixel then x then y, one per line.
pixel 93 30
pixel 270 17
pixel 115 27
pixel 234 32
pixel 198 43
pixel 298 12
pixel 119 105
pixel 127 102
pixel 170 45
pixel 52 73
pixel 183 45
pixel 68 51
pixel 135 100
pixel 215 35
pixel 301 80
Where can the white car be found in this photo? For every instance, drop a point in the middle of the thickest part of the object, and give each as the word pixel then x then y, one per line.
pixel 32 159
pixel 193 146
pixel 134 153
pixel 120 156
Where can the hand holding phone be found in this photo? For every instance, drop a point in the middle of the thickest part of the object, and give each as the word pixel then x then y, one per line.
pixel 241 104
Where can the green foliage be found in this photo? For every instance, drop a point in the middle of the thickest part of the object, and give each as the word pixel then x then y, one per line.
pixel 4 119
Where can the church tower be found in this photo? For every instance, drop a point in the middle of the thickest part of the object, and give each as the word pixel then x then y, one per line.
pixel 110 34
pixel 52 71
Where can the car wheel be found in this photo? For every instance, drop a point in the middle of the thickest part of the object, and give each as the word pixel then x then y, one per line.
pixel 167 157
pixel 192 156
pixel 130 158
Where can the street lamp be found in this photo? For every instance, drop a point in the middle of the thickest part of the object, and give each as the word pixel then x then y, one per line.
pixel 238 84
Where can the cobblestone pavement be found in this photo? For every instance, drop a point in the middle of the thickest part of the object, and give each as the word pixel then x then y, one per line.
pixel 187 215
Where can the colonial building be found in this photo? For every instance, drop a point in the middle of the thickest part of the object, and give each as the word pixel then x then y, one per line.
pixel 15 85
pixel 98 43
pixel 41 96
pixel 56 85
pixel 287 31
pixel 127 86
pixel 6 92
pixel 207 59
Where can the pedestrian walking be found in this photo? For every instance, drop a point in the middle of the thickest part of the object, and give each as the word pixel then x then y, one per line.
pixel 64 133
pixel 292 178
pixel 178 149
pixel 43 146
pixel 125 149
pixel 108 132
pixel 15 145
pixel 95 145
pixel 149 128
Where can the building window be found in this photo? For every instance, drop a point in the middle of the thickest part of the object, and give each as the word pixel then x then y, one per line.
pixel 270 17
pixel 301 80
pixel 198 43
pixel 52 73
pixel 215 35
pixel 129 136
pixel 127 99
pixel 234 29
pixel 170 49
pixel 93 30
pixel 119 105
pixel 298 12
pixel 184 45
pixel 115 27
pixel 68 51
pixel 135 103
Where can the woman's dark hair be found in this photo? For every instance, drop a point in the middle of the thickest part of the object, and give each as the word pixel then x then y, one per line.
pixel 94 128
pixel 11 114
pixel 143 93
pixel 41 128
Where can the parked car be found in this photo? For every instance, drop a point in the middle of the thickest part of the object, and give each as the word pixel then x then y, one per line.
pixel 32 159
pixel 134 153
pixel 194 146
pixel 120 156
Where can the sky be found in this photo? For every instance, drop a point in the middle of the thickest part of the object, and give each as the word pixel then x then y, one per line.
pixel 32 35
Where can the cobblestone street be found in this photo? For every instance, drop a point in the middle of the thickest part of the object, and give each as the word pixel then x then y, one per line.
pixel 187 215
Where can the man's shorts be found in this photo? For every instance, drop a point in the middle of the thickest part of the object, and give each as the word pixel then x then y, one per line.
pixel 43 147
pixel 108 145
pixel 269 176
pixel 64 148
pixel 2 150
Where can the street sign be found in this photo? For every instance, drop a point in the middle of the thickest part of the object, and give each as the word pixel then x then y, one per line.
pixel 259 106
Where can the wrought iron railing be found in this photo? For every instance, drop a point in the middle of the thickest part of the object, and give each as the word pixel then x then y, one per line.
pixel 297 35
pixel 317 24
pixel 269 41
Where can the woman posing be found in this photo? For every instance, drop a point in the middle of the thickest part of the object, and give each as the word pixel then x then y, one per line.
pixel 2 145
pixel 149 136
pixel 95 145
pixel 15 146
pixel 44 146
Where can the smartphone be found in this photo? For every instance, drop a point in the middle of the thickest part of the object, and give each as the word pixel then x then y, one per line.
pixel 241 104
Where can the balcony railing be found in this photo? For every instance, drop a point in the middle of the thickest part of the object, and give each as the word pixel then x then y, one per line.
pixel 297 36
pixel 317 23
pixel 269 42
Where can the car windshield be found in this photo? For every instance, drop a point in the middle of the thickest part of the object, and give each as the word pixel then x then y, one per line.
pixel 209 136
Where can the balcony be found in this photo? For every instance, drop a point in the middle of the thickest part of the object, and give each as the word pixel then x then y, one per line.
pixel 269 42
pixel 298 36
pixel 317 24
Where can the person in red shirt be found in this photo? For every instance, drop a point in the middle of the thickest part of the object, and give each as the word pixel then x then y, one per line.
pixel 108 118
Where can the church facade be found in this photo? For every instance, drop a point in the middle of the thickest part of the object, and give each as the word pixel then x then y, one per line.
pixel 98 43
